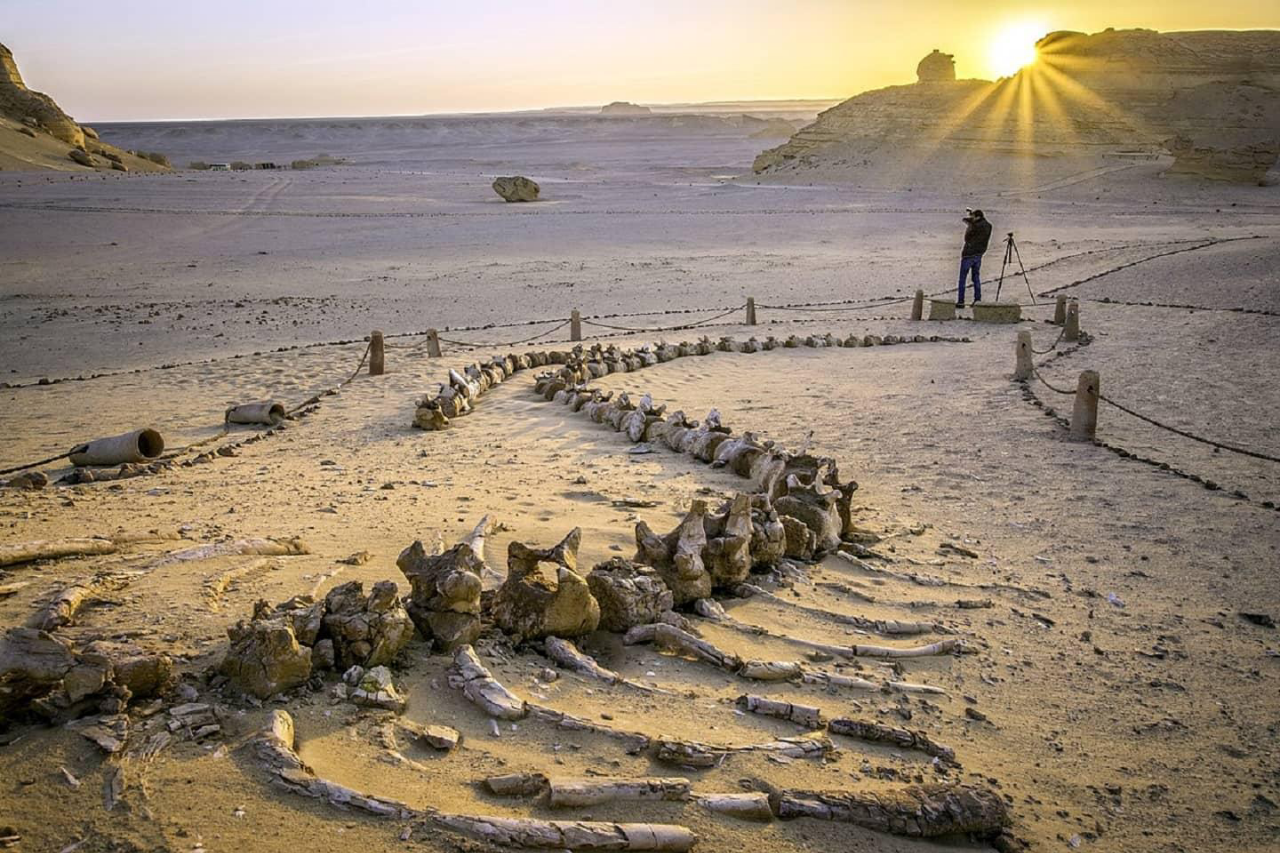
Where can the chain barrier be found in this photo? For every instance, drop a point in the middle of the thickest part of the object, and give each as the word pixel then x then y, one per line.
pixel 1217 444
pixel 705 322
pixel 1096 276
pixel 504 343
pixel 1052 346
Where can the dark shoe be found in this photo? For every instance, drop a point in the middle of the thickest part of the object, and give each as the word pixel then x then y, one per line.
pixel 977 299
pixel 959 304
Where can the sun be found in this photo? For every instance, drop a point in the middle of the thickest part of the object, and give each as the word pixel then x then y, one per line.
pixel 1014 47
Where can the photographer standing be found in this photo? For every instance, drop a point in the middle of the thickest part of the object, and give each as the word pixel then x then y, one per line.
pixel 977 235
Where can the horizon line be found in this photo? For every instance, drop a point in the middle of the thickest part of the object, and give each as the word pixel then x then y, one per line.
pixel 675 105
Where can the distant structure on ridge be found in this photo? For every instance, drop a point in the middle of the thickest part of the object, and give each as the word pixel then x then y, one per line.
pixel 937 67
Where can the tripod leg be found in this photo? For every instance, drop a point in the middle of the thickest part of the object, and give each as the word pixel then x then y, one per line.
pixel 1003 265
pixel 1024 272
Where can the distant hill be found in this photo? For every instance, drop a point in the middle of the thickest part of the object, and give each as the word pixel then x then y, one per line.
pixel 624 108
pixel 1199 103
pixel 36 134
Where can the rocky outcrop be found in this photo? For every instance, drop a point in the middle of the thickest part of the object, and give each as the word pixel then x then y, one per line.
pixel 265 657
pixel 937 67
pixel 543 594
pixel 1209 102
pixel 368 631
pixel 20 103
pixel 444 601
pixel 628 594
pixel 51 139
pixel 516 188
pixel 624 108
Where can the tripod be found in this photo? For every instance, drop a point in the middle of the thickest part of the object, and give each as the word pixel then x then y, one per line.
pixel 1010 253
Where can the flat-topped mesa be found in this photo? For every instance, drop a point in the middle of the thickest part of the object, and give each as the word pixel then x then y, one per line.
pixel 937 67
pixel 20 103
pixel 624 108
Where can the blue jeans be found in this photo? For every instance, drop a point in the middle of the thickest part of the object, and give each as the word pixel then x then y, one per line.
pixel 972 263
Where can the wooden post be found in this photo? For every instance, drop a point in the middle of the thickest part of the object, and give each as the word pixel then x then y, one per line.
pixel 433 344
pixel 1060 310
pixel 377 357
pixel 1022 370
pixel 1084 417
pixel 917 306
pixel 1071 327
pixel 575 326
pixel 751 310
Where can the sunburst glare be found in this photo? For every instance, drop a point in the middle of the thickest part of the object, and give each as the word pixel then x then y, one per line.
pixel 1013 47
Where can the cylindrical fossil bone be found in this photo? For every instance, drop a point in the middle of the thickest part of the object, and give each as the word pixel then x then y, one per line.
pixel 570 835
pixel 802 715
pixel 265 412
pixel 881 733
pixel 918 811
pixel 141 445
pixel 742 806
pixel 569 793
pixel 479 685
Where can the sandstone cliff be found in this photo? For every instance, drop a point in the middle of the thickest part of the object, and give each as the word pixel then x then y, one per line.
pixel 1205 103
pixel 36 134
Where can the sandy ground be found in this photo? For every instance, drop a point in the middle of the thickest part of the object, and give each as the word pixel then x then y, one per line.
pixel 1151 726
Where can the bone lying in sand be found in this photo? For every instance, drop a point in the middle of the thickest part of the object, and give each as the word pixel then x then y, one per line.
pixel 684 643
pixel 888 627
pixel 699 756
pixel 15 553
pixel 570 835
pixel 570 657
pixel 571 793
pixel 275 748
pixel 918 811
pixel 242 547
pixel 895 735
pixel 479 686
pixel 802 715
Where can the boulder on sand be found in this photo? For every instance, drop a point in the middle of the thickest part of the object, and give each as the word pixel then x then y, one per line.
pixel 366 631
pixel 544 595
pixel 628 594
pixel 265 658
pixel 444 602
pixel 516 188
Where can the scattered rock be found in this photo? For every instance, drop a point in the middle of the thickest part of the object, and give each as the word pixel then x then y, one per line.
pixel 373 688
pixel 441 737
pixel 516 188
pixel 265 657
pixel 366 631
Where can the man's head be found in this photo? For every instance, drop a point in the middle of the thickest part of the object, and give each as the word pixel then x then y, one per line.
pixel 972 215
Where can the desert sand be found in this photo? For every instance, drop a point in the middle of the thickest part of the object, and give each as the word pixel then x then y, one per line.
pixel 1111 693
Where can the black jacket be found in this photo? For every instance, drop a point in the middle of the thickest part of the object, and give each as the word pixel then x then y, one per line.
pixel 976 238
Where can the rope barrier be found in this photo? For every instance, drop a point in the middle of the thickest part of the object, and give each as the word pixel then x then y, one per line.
pixel 705 322
pixel 1037 375
pixel 1218 444
pixel 1052 346
pixel 17 468
pixel 505 343
pixel 842 307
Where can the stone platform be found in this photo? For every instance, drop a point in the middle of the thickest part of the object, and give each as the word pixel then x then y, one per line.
pixel 997 312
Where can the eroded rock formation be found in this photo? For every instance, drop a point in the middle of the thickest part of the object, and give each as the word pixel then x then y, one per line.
pixel 1105 101
pixel 544 595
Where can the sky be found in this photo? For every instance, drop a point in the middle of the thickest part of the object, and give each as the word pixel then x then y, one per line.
pixel 168 59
